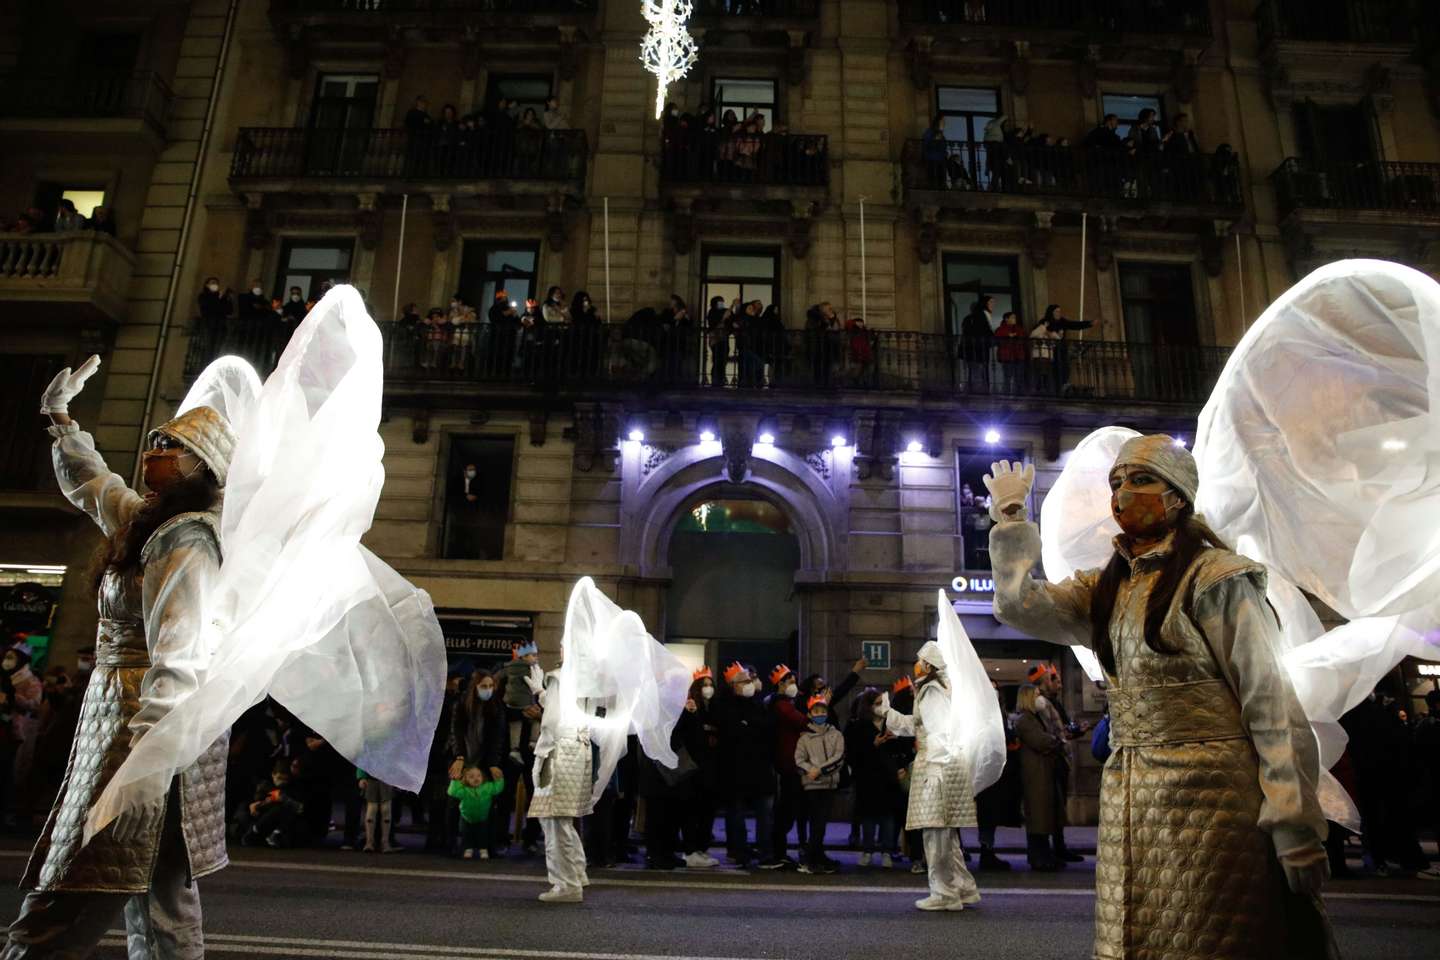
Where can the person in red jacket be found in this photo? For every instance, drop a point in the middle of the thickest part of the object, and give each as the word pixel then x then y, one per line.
pixel 790 723
pixel 1010 350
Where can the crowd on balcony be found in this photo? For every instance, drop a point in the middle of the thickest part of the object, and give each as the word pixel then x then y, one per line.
pixel 65 218
pixel 756 788
pixel 506 139
pixel 1148 163
pixel 710 145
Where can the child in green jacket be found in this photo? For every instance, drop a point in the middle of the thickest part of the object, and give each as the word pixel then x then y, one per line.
pixel 475 792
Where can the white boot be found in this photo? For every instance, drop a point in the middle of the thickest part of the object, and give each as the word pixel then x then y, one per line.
pixel 934 902
pixel 559 894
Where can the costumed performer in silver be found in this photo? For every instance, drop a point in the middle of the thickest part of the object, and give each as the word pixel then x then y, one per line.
pixel 614 680
pixel 162 553
pixel 1211 839
pixel 959 751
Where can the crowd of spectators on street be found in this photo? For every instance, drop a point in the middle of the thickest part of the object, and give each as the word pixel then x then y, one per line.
pixel 1147 163
pixel 766 764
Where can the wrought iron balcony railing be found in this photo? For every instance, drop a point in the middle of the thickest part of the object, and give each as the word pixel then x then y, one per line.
pixel 773 159
pixel 1339 21
pixel 85 95
pixel 386 9
pixel 1370 185
pixel 1098 16
pixel 951 165
pixel 397 154
pixel 759 9
pixel 571 359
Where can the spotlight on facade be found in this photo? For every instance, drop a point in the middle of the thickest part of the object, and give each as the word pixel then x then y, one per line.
pixel 838 440
pixel 707 436
pixel 914 446
pixel 637 435
pixel 766 438
pixel 1179 441
pixel 992 436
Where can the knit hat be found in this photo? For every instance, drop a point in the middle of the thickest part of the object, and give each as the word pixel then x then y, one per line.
pixel 1165 457
pixel 932 654
pixel 205 433
pixel 734 671
pixel 779 673
pixel 702 674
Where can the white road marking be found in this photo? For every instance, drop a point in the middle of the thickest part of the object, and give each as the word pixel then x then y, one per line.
pixel 372 950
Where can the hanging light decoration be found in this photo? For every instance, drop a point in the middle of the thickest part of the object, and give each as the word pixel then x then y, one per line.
pixel 668 50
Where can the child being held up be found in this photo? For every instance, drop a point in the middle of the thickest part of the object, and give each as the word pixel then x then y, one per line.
pixel 476 792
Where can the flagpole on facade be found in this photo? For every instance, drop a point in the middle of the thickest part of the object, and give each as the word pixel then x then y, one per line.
pixel 864 301
pixel 399 259
pixel 609 316
pixel 1084 218
pixel 1240 266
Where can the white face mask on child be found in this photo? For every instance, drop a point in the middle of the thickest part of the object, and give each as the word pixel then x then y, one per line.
pixel 485 693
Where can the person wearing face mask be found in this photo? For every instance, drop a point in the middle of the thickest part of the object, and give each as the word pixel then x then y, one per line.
pixel 479 735
pixel 1201 707
pixel 747 768
pixel 216 310
pixel 698 815
pixel 790 724
pixel 819 755
pixel 161 550
pixel 27 694
pixel 878 758
pixel 941 798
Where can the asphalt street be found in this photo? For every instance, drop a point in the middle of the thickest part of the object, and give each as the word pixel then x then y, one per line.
pixel 333 904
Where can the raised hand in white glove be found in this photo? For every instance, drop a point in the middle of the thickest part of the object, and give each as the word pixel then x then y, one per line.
pixel 132 826
pixel 1306 874
pixel 535 679
pixel 66 386
pixel 1009 484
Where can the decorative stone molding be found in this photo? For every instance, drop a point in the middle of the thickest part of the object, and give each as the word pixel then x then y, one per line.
pixel 1020 67
pixel 368 219
pixel 1087 73
pixel 257 225
pixel 798 231
pixel 394 66
pixel 927 237
pixel 819 461
pixel 539 427
pixel 595 434
pixel 555 225
pixel 796 58
pixel 420 426
pixel 1102 245
pixel 878 450
pixel 442 221
pixel 297 55
pixel 1380 88
pixel 470 56
pixel 1185 77
pixel 684 230
pixel 1037 238
pixel 1212 247
pixel 568 61
pixel 655 454
pixel 735 446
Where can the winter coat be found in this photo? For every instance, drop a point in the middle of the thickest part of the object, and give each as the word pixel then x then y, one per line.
pixel 1038 754
pixel 876 768
pixel 790 725
pixel 479 735
pixel 475 802
pixel 1009 349
pixel 682 781
pixel 975 336
pixel 820 750
pixel 747 745
pixel 145 649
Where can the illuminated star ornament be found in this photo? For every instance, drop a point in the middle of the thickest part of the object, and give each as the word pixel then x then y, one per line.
pixel 668 50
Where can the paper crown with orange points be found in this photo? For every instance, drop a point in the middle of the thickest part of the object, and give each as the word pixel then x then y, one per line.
pixel 1036 673
pixel 735 671
pixel 779 673
pixel 702 674
pixel 818 698
pixel 901 685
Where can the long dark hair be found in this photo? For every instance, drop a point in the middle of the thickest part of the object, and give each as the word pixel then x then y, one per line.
pixel 489 709
pixel 1191 537
pixel 195 493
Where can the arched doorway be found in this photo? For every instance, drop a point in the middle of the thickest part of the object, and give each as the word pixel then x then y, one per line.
pixel 733 556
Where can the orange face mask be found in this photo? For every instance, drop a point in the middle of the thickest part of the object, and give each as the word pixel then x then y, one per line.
pixel 1142 515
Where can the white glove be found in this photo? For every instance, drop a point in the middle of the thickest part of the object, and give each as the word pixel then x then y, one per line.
pixel 535 679
pixel 66 386
pixel 131 826
pixel 1306 877
pixel 1009 484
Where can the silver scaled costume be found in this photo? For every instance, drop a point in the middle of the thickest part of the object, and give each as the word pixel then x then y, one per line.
pixel 1214 769
pixel 147 650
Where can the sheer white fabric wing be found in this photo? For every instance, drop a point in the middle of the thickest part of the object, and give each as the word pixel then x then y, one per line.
pixel 302 611
pixel 1319 456
pixel 609 656
pixel 975 724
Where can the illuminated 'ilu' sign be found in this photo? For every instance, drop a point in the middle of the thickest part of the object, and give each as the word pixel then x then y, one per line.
pixel 668 50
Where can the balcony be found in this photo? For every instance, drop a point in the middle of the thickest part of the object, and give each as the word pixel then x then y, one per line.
pixel 1409 190
pixel 584 361
pixel 356 16
pixel 1339 21
pixel 993 176
pixel 47 279
pixel 1094 17
pixel 104 108
pixel 790 166
pixel 753 14
pixel 286 159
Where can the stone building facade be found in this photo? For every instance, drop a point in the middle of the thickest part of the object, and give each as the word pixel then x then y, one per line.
pixel 267 140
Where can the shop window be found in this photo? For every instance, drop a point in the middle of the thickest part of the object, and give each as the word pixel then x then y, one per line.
pixel 1127 106
pixel 314 266
pixel 745 98
pixel 524 90
pixel 974 506
pixel 489 267
pixel 969 277
pixel 477 497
